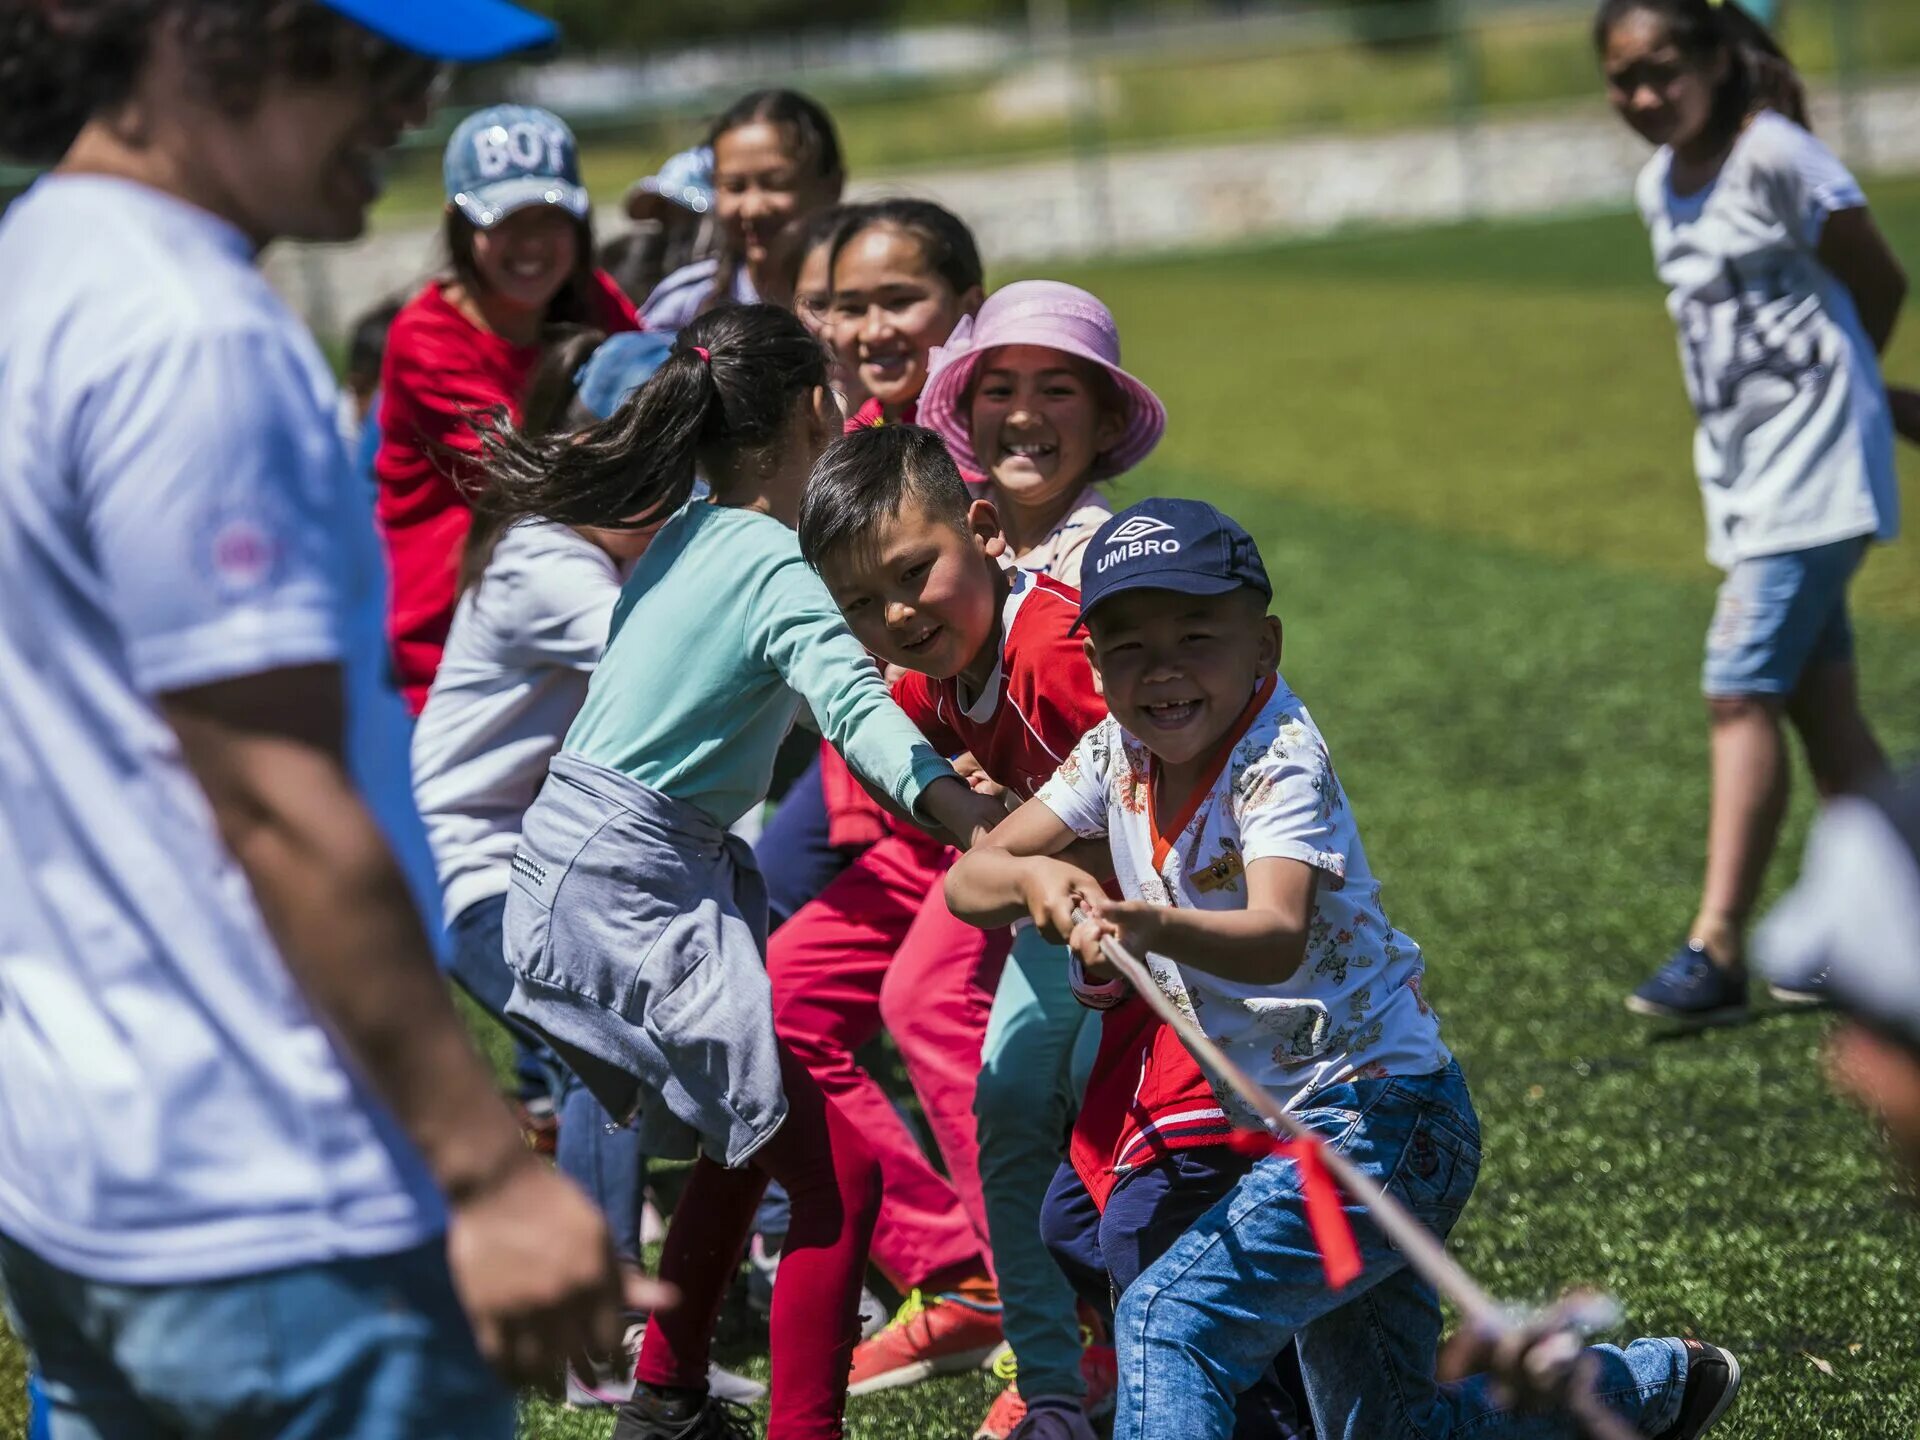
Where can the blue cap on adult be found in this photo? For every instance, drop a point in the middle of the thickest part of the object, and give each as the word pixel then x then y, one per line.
pixel 1187 546
pixel 460 31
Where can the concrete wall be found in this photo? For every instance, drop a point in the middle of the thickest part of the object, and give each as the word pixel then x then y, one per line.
pixel 1193 196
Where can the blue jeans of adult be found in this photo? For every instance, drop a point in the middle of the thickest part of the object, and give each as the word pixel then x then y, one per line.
pixel 1103 1252
pixel 371 1349
pixel 1205 1319
pixel 601 1158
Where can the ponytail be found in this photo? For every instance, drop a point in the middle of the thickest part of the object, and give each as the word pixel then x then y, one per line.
pixel 1759 74
pixel 638 466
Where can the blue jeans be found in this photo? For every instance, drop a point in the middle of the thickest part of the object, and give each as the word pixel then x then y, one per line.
pixel 1205 1319
pixel 375 1349
pixel 1103 1252
pixel 601 1159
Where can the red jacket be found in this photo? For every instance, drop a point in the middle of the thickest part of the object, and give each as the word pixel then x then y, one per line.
pixel 441 371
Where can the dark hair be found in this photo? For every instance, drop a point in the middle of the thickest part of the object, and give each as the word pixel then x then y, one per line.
pixel 1759 74
pixel 866 476
pixel 813 139
pixel 943 237
pixel 800 238
pixel 367 341
pixel 636 260
pixel 546 408
pixel 637 466
pixel 578 301
pixel 64 61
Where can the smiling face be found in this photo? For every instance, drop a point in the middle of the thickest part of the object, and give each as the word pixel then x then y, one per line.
pixel 889 311
pixel 921 592
pixel 523 261
pixel 760 183
pixel 1177 670
pixel 1039 419
pixel 1666 95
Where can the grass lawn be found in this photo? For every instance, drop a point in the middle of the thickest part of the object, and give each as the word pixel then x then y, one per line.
pixel 1465 453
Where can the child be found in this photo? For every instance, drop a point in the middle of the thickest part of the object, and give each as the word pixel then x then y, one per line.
pixel 1030 394
pixel 1784 295
pixel 905 273
pixel 521 242
pixel 813 245
pixel 636 923
pixel 673 223
pixel 1249 894
pixel 530 626
pixel 776 159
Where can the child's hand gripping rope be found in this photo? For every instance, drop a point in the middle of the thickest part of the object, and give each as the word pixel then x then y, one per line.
pixel 1538 1358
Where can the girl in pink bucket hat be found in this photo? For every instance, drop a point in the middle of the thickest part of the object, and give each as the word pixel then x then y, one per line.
pixel 1030 394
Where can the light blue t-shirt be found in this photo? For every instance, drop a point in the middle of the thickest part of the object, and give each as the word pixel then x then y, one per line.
pixel 719 634
pixel 176 509
pixel 676 300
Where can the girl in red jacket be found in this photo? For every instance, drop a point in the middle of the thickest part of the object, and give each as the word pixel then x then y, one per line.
pixel 521 245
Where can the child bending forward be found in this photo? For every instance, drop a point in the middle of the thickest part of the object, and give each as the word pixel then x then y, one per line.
pixel 1250 897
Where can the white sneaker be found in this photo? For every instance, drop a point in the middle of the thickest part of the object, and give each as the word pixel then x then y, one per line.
pixel 605 1386
pixel 1049 1421
pixel 874 1314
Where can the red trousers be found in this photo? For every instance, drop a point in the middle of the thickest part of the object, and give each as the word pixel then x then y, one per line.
pixel 833 1182
pixel 879 947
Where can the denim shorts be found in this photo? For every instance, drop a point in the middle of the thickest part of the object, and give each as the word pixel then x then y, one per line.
pixel 372 1349
pixel 1777 617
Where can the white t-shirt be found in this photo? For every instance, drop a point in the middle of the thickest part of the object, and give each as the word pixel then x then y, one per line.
pixel 514 675
pixel 1275 795
pixel 175 510
pixel 1059 554
pixel 1795 444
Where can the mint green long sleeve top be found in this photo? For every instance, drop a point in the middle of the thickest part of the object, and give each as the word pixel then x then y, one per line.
pixel 719 634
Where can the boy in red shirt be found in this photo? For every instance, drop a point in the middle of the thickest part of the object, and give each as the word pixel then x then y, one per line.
pixel 995 671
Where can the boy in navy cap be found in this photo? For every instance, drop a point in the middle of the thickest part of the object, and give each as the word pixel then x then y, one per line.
pixel 1249 895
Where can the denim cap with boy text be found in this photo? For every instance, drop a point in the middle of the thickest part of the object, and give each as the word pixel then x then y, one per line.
pixel 508 157
pixel 1187 546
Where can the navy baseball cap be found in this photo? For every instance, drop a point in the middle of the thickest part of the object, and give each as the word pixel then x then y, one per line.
pixel 508 157
pixel 621 365
pixel 1187 546
pixel 452 30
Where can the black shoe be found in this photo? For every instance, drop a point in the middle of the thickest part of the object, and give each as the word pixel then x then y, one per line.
pixel 1713 1379
pixel 682 1415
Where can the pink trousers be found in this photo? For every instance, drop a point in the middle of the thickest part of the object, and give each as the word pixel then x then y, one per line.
pixel 878 947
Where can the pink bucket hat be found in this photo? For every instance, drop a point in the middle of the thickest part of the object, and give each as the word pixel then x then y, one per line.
pixel 1060 317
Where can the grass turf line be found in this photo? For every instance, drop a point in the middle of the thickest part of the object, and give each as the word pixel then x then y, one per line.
pixel 1465 454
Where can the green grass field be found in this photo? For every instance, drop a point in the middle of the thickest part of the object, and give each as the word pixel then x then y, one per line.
pixel 1465 453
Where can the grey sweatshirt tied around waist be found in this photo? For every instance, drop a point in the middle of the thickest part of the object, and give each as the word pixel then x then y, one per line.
pixel 636 929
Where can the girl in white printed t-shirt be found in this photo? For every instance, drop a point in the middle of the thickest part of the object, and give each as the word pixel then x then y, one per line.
pixel 1784 295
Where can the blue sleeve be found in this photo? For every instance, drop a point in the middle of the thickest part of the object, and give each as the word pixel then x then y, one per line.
pixel 794 623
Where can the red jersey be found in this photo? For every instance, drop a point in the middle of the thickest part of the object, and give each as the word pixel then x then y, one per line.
pixel 440 371
pixel 1145 1096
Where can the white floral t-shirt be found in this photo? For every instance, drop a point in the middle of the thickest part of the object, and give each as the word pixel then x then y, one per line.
pixel 1274 795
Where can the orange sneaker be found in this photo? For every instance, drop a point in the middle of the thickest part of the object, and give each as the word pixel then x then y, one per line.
pixel 945 1335
pixel 1099 1368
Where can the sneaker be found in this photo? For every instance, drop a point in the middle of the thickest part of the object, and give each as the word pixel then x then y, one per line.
pixel 763 1263
pixel 1691 988
pixel 1099 1368
pixel 1806 994
pixel 946 1335
pixel 1713 1379
pixel 1054 1418
pixel 650 1415
pixel 603 1386
pixel 873 1314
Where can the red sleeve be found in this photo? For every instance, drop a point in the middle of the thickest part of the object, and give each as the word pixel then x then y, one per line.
pixel 617 312
pixel 918 696
pixel 1054 683
pixel 432 383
